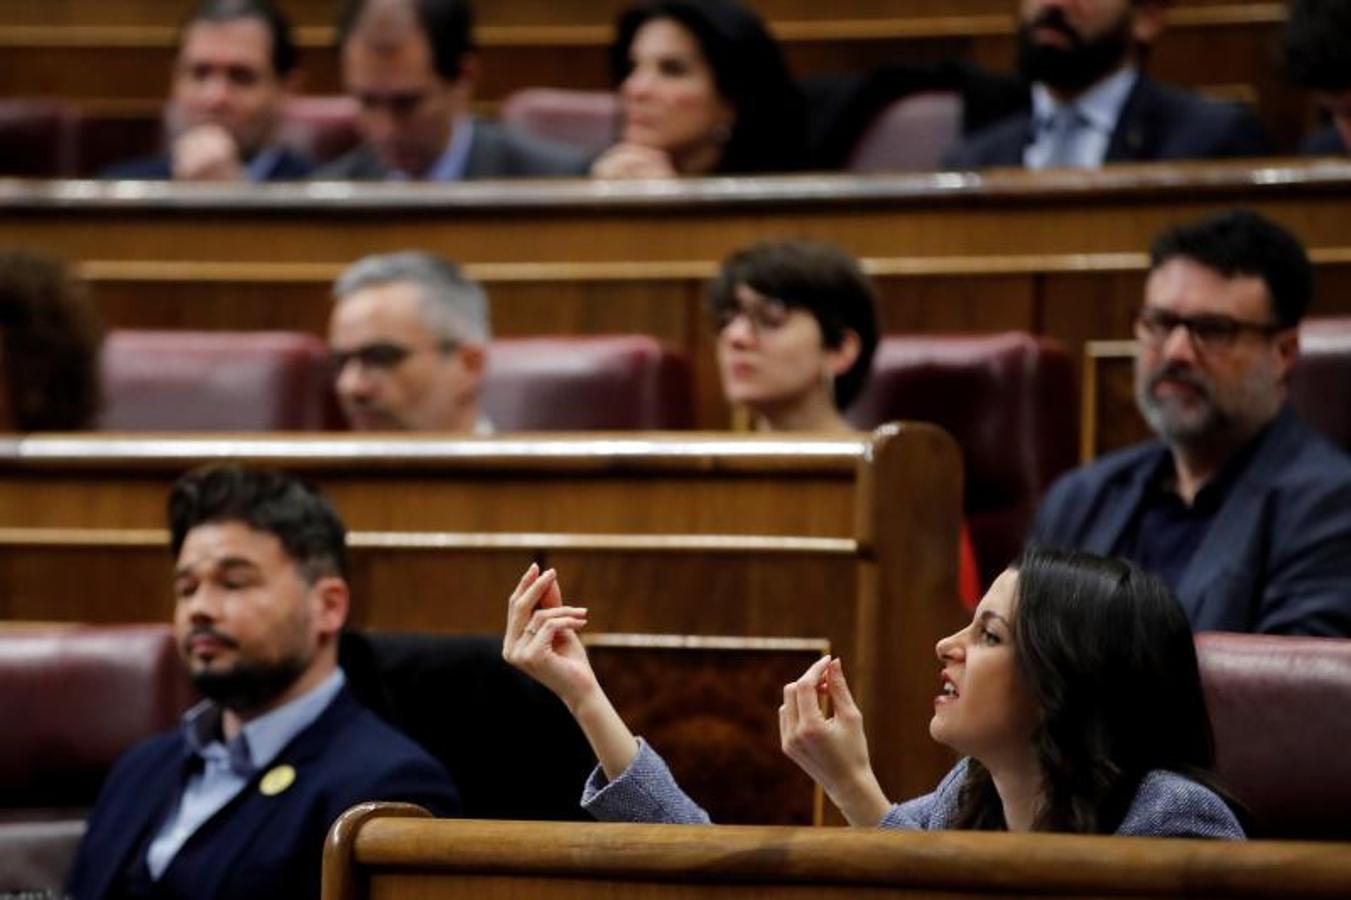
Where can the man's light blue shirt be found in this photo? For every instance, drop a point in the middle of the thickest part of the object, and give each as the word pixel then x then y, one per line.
pixel 453 163
pixel 228 767
pixel 263 163
pixel 1096 112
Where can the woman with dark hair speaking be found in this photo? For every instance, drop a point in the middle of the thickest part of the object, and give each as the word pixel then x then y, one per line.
pixel 704 90
pixel 1073 696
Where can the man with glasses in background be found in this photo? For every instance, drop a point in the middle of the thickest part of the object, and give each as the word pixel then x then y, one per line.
pixel 408 336
pixel 1241 507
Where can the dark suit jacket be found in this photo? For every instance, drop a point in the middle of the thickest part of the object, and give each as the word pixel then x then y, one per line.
pixel 1326 141
pixel 257 847
pixel 1158 122
pixel 290 166
pixel 1277 556
pixel 496 152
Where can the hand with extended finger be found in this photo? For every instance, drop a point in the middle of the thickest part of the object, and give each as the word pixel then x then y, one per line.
pixel 834 750
pixel 542 638
pixel 206 153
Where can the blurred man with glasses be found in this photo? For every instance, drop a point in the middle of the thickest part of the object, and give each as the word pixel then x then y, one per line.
pixel 408 336
pixel 1239 506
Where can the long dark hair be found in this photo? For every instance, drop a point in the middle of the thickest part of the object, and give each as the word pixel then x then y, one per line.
pixel 770 130
pixel 1109 656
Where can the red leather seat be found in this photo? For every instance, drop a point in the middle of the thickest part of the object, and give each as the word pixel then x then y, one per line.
pixel 1321 381
pixel 1010 402
pixel 38 139
pixel 586 384
pixel 1279 706
pixel 320 128
pixel 911 133
pixel 215 381
pixel 586 119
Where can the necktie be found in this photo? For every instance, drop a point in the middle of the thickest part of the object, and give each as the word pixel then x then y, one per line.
pixel 1064 132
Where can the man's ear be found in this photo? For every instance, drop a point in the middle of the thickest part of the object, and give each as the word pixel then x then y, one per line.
pixel 1147 20
pixel 474 359
pixel 332 599
pixel 470 69
pixel 1287 353
pixel 842 358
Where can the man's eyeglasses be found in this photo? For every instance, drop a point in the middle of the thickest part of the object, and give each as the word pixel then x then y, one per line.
pixel 764 316
pixel 1208 334
pixel 382 356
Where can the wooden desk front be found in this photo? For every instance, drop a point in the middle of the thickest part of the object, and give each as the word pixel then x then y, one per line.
pixel 852 540
pixel 385 852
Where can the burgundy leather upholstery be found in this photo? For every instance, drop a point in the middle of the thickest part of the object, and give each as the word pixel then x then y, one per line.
pixel 320 128
pixel 1010 402
pixel 215 381
pixel 586 119
pixel 1281 709
pixel 912 133
pixel 586 384
pixel 73 699
pixel 38 139
pixel 1321 382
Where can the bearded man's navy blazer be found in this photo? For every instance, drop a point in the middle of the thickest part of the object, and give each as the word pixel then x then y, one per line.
pixel 1158 122
pixel 258 846
pixel 1277 556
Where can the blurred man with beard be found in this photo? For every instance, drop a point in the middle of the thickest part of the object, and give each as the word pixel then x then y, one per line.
pixel 1239 506
pixel 1316 54
pixel 408 336
pixel 236 67
pixel 237 803
pixel 1092 104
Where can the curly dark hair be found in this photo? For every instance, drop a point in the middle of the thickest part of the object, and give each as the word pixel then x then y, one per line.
pixel 294 512
pixel 1109 656
pixel 818 277
pixel 1316 44
pixel 49 341
pixel 770 131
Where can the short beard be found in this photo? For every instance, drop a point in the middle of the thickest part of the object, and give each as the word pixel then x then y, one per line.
pixel 249 686
pixel 1208 426
pixel 1072 69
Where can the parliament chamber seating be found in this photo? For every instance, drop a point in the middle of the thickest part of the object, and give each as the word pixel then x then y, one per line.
pixel 586 119
pixel 38 139
pixel 320 128
pixel 1321 383
pixel 600 383
pixel 215 381
pixel 1279 709
pixel 1009 402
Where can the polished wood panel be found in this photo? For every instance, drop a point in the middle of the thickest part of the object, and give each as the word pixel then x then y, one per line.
pixel 851 539
pixel 376 853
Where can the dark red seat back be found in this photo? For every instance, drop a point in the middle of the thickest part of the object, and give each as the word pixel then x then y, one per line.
pixel 1281 710
pixel 1321 382
pixel 38 139
pixel 215 381
pixel 1010 402
pixel 622 382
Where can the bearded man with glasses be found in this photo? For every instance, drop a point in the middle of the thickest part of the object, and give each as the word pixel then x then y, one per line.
pixel 1241 507
pixel 408 339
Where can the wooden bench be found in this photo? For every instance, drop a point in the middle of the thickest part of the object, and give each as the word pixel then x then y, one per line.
pixel 851 539
pixel 377 851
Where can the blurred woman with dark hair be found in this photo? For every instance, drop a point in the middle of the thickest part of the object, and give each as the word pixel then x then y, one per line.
pixel 704 90
pixel 50 339
pixel 1073 696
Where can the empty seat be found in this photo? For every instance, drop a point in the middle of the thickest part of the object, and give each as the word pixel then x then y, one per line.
pixel 215 381
pixel 1279 708
pixel 38 138
pixel 586 119
pixel 586 384
pixel 1010 402
pixel 911 133
pixel 1321 381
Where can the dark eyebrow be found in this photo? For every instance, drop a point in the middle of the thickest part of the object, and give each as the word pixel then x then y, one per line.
pixel 987 614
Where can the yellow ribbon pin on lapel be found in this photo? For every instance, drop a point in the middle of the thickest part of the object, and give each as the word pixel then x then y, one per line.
pixel 277 779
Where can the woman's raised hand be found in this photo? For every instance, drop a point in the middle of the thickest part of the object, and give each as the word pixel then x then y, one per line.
pixel 834 750
pixel 633 161
pixel 542 637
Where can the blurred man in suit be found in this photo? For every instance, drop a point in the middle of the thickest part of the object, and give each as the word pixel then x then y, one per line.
pixel 1238 505
pixel 1316 51
pixel 1092 104
pixel 235 69
pixel 408 336
pixel 411 67
pixel 236 805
